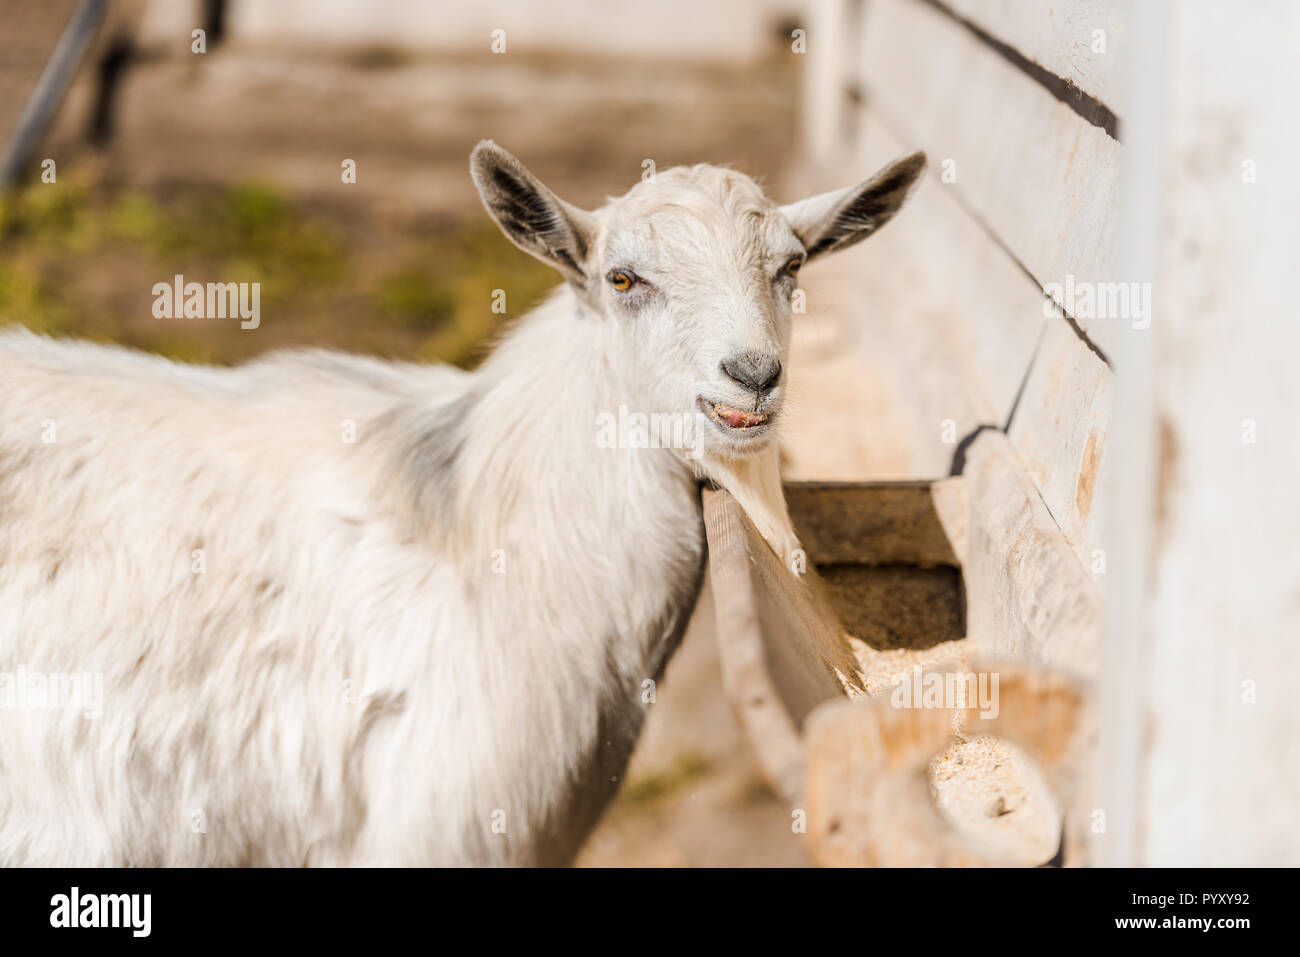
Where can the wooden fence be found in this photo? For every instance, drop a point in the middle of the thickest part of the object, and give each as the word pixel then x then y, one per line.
pixel 1084 314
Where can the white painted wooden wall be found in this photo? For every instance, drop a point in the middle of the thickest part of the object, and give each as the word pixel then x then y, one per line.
pixel 1208 615
pixel 1121 528
pixel 719 29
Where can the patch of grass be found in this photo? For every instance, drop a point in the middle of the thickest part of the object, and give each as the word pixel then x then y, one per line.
pixel 80 257
pixel 251 229
pixel 25 298
pixel 411 296
pixel 54 215
pixel 451 286
pixel 249 224
pixel 137 218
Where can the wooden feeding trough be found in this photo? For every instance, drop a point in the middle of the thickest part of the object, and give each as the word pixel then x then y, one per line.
pixel 812 656
pixel 978 368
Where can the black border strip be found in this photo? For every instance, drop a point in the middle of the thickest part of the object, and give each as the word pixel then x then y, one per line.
pixel 1087 106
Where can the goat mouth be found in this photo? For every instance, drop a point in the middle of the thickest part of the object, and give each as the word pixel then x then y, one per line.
pixel 730 417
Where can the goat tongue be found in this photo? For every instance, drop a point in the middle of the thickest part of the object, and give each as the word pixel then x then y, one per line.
pixel 736 418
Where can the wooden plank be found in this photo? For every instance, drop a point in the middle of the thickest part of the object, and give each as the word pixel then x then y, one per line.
pixel 775 638
pixel 1029 598
pixel 1060 37
pixel 870 804
pixel 884 552
pixel 1222 772
pixel 1122 724
pixel 978 304
pixel 1042 178
pixel 782 646
pixel 938 305
pixel 1060 435
pixel 723 29
pixel 831 69
pixel 953 509
pixel 892 334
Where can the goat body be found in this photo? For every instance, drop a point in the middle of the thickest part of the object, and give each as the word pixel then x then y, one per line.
pixel 307 657
pixel 346 611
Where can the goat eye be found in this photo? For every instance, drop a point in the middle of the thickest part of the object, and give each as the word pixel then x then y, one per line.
pixel 791 268
pixel 622 279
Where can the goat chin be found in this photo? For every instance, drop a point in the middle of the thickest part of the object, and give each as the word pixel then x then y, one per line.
pixel 755 483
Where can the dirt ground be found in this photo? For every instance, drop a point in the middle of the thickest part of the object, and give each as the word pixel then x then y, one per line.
pixel 231 163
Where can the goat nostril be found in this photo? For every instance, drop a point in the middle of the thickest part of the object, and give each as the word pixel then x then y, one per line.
pixel 753 370
pixel 771 379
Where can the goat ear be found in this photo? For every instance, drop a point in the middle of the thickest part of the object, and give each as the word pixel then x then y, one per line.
pixel 531 216
pixel 833 221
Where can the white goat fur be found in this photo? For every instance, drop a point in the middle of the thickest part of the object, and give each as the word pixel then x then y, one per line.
pixel 354 678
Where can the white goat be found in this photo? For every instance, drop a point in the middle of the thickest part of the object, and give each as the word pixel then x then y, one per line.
pixel 424 646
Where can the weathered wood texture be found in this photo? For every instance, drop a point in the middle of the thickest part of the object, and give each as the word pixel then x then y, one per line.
pixel 867 796
pixel 1200 555
pixel 954 314
pixel 1036 173
pixel 1021 191
pixel 892 573
pixel 855 766
pixel 778 642
pixel 1029 597
pixel 1062 38
pixel 783 648
pixel 1060 436
pixel 1220 771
